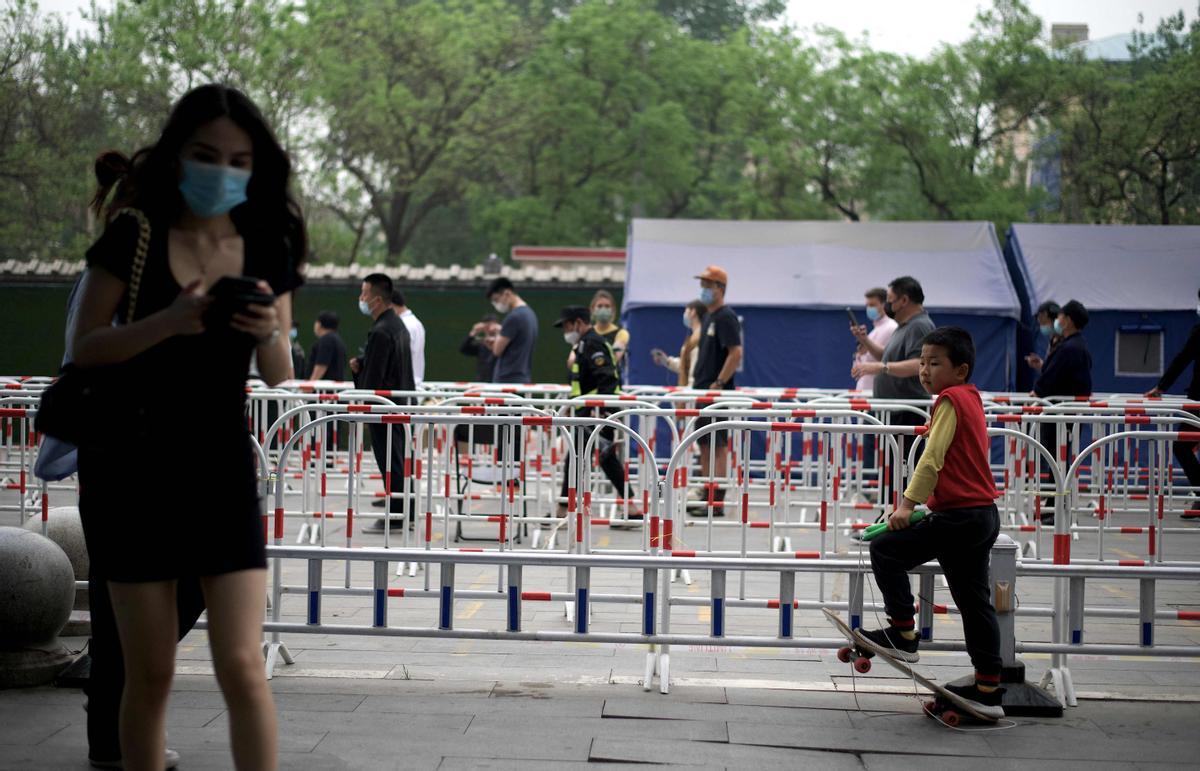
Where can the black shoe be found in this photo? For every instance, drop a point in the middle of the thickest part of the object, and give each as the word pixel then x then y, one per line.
pixel 379 504
pixel 1048 519
pixel 171 761
pixel 376 527
pixel 986 702
pixel 896 644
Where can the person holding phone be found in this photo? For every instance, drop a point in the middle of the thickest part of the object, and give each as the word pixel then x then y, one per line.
pixel 176 496
pixel 881 329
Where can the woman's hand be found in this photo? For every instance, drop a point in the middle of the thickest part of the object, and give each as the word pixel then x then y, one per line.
pixel 259 321
pixel 185 315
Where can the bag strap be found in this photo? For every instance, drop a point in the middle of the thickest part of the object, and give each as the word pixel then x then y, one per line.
pixel 139 257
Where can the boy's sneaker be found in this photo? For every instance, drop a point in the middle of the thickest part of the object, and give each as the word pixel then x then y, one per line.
pixel 896 644
pixel 985 702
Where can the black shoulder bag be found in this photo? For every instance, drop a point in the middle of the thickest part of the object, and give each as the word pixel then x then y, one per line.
pixel 94 406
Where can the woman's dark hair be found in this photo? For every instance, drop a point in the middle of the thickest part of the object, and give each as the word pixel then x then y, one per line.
pixel 698 308
pixel 958 345
pixel 150 179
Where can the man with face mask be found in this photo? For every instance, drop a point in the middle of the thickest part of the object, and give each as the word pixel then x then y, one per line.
pixel 593 371
pixel 386 364
pixel 882 327
pixel 518 334
pixel 1185 452
pixel 720 355
pixel 897 373
pixel 1047 312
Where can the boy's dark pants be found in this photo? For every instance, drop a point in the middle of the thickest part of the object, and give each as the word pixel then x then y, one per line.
pixel 106 681
pixel 961 541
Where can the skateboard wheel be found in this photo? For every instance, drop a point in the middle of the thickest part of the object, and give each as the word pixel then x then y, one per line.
pixel 931 709
pixel 951 718
pixel 862 665
pixel 844 655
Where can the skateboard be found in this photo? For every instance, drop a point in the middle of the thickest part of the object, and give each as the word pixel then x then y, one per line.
pixel 948 707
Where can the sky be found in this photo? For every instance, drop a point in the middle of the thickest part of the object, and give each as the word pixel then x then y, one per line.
pixel 912 27
pixel 917 27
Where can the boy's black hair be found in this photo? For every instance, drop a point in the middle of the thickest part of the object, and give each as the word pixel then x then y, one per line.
pixel 328 320
pixel 1078 314
pixel 497 286
pixel 1050 308
pixel 907 286
pixel 957 344
pixel 398 298
pixel 381 285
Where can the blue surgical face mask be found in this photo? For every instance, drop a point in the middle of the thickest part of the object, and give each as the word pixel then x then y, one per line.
pixel 364 307
pixel 706 295
pixel 212 190
pixel 293 334
pixel 1058 330
pixel 1046 329
pixel 872 313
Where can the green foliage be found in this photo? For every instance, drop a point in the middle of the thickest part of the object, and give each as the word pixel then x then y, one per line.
pixel 1131 147
pixel 441 130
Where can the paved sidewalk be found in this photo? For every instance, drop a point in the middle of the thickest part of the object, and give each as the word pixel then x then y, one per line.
pixel 448 723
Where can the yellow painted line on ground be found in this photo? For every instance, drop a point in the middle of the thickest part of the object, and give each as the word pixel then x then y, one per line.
pixel 604 541
pixel 704 613
pixel 470 610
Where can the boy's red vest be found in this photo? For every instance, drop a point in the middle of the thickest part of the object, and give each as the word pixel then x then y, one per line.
pixel 965 480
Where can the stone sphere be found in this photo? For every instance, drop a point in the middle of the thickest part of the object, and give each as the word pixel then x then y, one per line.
pixel 66 530
pixel 37 589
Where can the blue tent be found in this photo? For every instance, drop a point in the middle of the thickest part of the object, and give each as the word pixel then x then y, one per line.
pixel 1138 283
pixel 791 283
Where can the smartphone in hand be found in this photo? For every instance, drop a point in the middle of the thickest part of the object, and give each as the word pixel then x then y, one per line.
pixel 850 315
pixel 230 295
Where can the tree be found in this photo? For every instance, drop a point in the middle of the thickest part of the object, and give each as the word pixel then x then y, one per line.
pixel 957 117
pixel 1130 144
pixel 414 97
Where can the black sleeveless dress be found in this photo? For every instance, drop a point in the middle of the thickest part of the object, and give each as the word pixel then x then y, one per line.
pixel 177 494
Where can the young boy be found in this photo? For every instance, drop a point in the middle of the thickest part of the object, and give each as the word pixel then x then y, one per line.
pixel 954 480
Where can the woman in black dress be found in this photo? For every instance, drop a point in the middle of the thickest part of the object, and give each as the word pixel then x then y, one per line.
pixel 176 495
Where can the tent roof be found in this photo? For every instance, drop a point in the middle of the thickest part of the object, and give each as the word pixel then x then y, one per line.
pixel 819 264
pixel 1111 267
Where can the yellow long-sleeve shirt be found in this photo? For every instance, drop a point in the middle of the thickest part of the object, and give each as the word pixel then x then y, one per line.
pixel 937 442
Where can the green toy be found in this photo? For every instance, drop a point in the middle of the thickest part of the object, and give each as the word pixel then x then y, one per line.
pixel 877 528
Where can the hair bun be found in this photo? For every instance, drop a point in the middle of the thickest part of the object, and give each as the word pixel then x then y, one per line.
pixel 111 166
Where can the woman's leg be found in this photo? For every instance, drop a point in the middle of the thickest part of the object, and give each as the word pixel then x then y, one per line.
pixel 236 605
pixel 146 623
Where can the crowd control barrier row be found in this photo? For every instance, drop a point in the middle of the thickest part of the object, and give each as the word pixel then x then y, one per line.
pixel 655 601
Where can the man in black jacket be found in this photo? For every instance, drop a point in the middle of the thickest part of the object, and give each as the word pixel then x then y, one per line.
pixel 1067 371
pixel 1185 452
pixel 386 364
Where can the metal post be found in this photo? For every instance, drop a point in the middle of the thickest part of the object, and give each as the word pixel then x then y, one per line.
pixel 1004 589
pixel 718 603
pixel 582 586
pixel 1146 612
pixel 514 598
pixel 314 592
pixel 787 598
pixel 381 580
pixel 925 605
pixel 1075 593
pixel 446 605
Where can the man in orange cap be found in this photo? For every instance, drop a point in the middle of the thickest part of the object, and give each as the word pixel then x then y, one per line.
pixel 720 353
